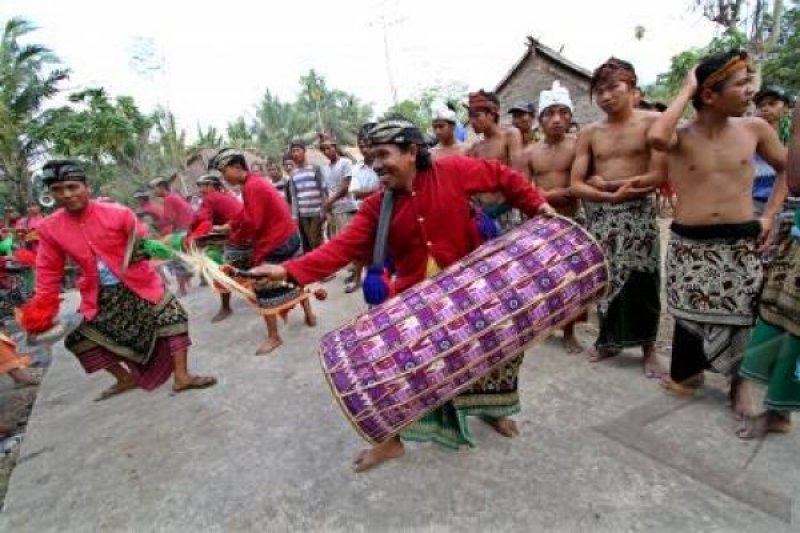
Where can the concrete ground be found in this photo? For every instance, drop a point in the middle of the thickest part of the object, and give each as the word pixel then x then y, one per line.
pixel 602 449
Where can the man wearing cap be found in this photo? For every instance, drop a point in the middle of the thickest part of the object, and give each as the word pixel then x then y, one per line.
pixel 177 217
pixel 549 162
pixel 218 210
pixel 265 222
pixel 132 327
pixel 772 105
pixel 444 128
pixel 308 191
pixel 429 227
pixel 522 118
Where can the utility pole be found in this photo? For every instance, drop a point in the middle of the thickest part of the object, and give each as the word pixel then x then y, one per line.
pixel 385 24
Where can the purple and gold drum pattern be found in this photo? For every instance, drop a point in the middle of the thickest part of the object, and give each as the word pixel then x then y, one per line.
pixel 401 359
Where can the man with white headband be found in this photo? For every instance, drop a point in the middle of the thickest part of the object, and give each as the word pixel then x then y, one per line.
pixel 444 127
pixel 549 162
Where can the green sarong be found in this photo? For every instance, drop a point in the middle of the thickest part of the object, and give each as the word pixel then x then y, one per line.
pixel 771 359
pixel 494 396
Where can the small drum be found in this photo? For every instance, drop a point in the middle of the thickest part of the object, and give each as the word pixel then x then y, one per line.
pixel 401 359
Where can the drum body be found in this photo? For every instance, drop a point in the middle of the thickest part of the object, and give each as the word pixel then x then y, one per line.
pixel 418 350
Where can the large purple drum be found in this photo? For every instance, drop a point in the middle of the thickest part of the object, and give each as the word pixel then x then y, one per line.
pixel 401 359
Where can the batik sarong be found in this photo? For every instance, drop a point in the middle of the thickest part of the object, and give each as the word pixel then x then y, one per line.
pixel 492 397
pixel 714 275
pixel 130 330
pixel 14 292
pixel 628 232
pixel 772 358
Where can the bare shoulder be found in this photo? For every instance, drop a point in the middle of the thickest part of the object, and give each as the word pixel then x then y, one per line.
pixel 756 125
pixel 648 117
pixel 512 133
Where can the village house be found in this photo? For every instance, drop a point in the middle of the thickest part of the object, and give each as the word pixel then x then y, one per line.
pixel 535 71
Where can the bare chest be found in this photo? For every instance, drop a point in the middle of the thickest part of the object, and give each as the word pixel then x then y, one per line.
pixel 496 148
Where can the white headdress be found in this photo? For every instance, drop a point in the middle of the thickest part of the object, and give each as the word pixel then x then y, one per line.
pixel 557 95
pixel 444 113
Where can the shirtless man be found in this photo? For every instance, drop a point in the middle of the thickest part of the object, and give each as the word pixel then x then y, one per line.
pixel 498 143
pixel 614 174
pixel 549 162
pixel 713 266
pixel 444 127
pixel 522 115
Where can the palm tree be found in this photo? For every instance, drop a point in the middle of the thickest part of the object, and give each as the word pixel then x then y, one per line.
pixel 171 140
pixel 29 76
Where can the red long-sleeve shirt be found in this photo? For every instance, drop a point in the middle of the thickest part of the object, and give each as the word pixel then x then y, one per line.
pixel 218 208
pixel 101 231
pixel 265 220
pixel 177 215
pixel 434 219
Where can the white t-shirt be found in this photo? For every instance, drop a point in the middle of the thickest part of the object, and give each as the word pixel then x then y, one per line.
pixel 364 179
pixel 335 175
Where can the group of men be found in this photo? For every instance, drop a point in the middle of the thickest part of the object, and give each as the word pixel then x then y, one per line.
pixel 445 201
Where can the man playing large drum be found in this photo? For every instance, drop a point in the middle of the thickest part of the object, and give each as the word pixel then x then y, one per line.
pixel 430 226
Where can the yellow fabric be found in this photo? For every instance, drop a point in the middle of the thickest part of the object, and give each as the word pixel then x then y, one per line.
pixel 432 268
pixel 727 70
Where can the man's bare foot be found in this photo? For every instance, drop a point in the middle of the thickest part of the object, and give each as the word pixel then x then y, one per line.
pixel 752 427
pixel 595 354
pixel 268 346
pixel 193 382
pixel 311 320
pixel 221 315
pixel 391 449
pixel 778 422
pixel 571 344
pixel 652 367
pixel 505 426
pixel 687 389
pixel 117 388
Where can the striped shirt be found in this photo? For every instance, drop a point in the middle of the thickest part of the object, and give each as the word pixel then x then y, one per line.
pixel 309 191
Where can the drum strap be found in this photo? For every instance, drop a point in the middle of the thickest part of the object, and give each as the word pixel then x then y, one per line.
pixel 382 235
pixel 376 284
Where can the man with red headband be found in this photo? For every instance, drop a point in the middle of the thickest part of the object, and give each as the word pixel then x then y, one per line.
pixel 499 144
pixel 615 174
pixel 714 268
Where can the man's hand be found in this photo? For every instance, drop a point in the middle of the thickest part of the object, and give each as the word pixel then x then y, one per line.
pixel 273 272
pixel 691 80
pixel 628 192
pixel 546 210
pixel 600 183
pixel 764 237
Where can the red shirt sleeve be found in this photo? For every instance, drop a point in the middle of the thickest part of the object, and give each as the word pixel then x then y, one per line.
pixel 354 243
pixel 50 260
pixel 482 175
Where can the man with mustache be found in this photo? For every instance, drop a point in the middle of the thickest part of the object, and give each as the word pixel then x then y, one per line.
pixel 429 228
